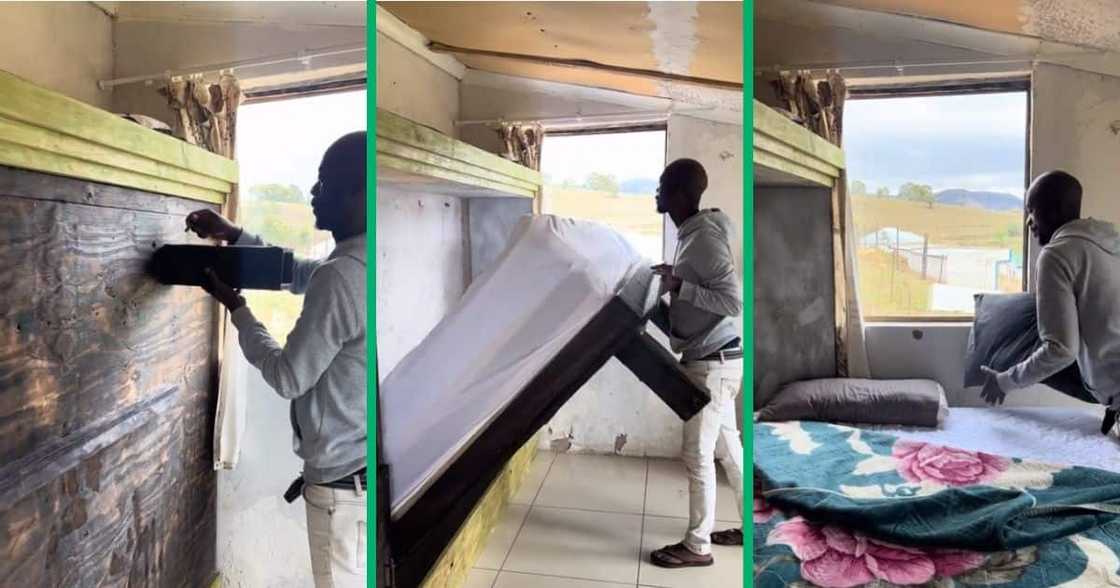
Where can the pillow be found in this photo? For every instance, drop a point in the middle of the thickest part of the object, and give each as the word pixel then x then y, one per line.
pixel 1004 333
pixel 919 403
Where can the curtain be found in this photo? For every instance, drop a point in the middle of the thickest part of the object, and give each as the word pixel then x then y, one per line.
pixel 817 103
pixel 206 116
pixel 523 144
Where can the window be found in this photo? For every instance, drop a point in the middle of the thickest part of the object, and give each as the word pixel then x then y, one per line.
pixel 937 185
pixel 610 178
pixel 279 146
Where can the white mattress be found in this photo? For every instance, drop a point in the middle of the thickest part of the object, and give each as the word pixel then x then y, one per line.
pixel 553 278
pixel 1052 435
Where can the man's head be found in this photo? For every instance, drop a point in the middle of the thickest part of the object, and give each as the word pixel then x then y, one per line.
pixel 1053 200
pixel 339 197
pixel 680 187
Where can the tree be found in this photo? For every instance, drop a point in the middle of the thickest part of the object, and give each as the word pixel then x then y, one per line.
pixel 277 193
pixel 859 188
pixel 601 182
pixel 917 193
pixel 883 192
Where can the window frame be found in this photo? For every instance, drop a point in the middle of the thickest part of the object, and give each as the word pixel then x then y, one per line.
pixel 957 87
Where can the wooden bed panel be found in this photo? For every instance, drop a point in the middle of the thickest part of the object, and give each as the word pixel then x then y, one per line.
pixel 107 387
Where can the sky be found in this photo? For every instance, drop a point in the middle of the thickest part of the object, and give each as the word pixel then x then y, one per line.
pixel 975 142
pixel 282 142
pixel 626 155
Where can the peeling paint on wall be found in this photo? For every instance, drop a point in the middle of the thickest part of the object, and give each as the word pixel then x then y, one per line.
pixel 1093 23
pixel 619 442
pixel 673 35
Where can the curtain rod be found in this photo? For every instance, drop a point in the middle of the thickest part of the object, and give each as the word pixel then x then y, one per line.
pixel 629 116
pixel 587 64
pixel 899 65
pixel 304 57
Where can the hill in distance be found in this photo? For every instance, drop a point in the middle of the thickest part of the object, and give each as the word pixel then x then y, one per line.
pixel 998 201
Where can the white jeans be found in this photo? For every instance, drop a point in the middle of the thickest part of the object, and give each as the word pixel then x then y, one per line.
pixel 336 533
pixel 713 431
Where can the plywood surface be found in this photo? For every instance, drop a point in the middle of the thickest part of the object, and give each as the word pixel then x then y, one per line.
pixel 107 386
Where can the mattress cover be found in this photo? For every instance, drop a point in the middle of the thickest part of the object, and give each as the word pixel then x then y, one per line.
pixel 556 274
pixel 1052 435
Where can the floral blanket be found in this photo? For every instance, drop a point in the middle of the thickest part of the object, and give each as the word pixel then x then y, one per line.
pixel 842 507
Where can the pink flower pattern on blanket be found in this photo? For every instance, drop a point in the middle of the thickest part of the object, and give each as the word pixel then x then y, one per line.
pixel 921 462
pixel 762 512
pixel 832 557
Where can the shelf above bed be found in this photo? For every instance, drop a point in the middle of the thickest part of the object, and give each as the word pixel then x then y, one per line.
pixel 415 158
pixel 44 131
pixel 786 153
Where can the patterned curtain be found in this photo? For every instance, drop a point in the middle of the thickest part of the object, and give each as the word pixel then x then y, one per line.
pixel 817 103
pixel 206 115
pixel 523 144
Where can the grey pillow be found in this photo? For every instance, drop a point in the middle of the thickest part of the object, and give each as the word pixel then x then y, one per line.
pixel 918 403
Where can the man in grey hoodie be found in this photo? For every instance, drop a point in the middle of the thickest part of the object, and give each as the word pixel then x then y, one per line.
pixel 1078 298
pixel 322 366
pixel 704 297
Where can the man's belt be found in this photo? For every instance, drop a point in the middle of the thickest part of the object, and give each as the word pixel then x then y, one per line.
pixel 732 350
pixel 295 490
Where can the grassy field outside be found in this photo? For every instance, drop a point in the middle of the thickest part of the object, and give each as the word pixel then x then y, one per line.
pixel 634 215
pixel 888 286
pixel 946 225
pixel 290 225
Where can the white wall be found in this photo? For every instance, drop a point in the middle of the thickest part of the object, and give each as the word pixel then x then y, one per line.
pixel 66 47
pixel 613 412
pixel 421 239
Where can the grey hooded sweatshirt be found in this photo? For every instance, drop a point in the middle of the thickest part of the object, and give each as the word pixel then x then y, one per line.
pixel 1078 311
pixel 701 314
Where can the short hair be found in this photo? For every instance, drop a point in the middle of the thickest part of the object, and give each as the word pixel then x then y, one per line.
pixel 348 154
pixel 1058 191
pixel 687 177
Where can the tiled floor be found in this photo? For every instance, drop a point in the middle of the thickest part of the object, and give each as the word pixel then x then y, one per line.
pixel 590 521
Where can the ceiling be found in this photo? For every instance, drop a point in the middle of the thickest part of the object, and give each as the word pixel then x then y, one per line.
pixel 700 40
pixel 1085 23
pixel 347 13
pixel 935 37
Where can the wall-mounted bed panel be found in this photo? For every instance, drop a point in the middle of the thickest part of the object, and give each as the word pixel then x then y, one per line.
pixel 794 312
pixel 107 387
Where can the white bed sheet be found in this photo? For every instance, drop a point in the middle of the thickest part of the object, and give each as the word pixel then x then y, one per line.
pixel 1053 435
pixel 554 277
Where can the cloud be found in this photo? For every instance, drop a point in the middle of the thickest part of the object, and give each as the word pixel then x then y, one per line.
pixel 975 142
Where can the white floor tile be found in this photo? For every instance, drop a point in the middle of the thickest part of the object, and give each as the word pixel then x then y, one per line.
pixel 517 580
pixel 595 482
pixel 578 544
pixel 667 491
pixel 480 578
pixel 533 481
pixel 501 539
pixel 726 572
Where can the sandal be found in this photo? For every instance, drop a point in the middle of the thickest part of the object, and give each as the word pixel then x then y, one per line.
pixel 728 537
pixel 679 556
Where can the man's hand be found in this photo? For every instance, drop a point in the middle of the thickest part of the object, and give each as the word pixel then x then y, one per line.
pixel 211 225
pixel 992 393
pixel 230 298
pixel 669 282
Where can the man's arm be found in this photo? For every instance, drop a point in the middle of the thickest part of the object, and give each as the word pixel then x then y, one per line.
pixel 719 291
pixel 301 270
pixel 1057 327
pixel 328 320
